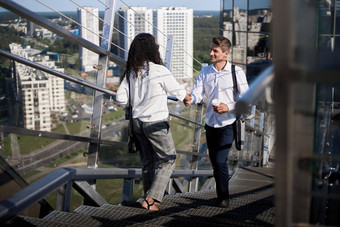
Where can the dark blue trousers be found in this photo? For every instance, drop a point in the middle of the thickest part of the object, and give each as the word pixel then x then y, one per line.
pixel 219 141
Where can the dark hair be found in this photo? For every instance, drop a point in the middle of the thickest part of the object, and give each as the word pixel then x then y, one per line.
pixel 143 49
pixel 222 42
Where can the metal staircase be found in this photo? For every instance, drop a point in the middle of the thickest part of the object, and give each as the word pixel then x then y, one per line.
pixel 251 204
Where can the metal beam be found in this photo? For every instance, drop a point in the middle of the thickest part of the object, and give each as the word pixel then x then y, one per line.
pixel 88 192
pixel 109 173
pixel 103 63
pixel 176 183
pixel 44 134
pixel 208 184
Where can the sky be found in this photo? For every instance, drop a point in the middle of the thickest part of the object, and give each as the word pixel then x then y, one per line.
pixel 69 5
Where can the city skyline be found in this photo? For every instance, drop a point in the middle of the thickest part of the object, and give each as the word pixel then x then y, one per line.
pixel 67 5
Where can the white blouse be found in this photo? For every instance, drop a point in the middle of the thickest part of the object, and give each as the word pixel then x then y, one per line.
pixel 149 93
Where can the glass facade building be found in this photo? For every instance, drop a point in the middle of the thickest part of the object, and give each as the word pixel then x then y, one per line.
pixel 246 23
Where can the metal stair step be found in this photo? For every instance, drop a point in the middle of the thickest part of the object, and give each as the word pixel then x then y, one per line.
pixel 204 215
pixel 143 216
pixel 30 221
pixel 73 218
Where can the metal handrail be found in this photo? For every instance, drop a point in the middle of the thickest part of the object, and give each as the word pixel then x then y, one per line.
pixel 54 72
pixel 256 90
pixel 34 193
pixel 46 185
pixel 53 135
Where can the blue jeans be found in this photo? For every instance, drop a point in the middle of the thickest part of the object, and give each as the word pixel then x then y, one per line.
pixel 158 155
pixel 219 141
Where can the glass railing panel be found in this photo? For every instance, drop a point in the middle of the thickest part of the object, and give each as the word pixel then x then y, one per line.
pixel 116 156
pixel 34 157
pixel 259 137
pixel 326 162
pixel 114 128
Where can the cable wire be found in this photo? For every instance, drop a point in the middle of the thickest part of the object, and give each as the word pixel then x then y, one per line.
pixel 159 31
pixel 63 15
pixel 100 18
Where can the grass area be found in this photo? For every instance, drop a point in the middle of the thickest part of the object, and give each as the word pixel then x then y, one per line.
pixel 72 72
pixel 66 158
pixel 27 144
pixel 113 115
pixel 77 127
pixel 59 129
pixel 31 173
pixel 182 133
pixel 69 110
pixel 6 147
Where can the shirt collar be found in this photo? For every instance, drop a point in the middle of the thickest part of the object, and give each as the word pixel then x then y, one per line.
pixel 227 67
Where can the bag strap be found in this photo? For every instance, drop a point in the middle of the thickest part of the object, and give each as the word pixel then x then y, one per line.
pixel 130 106
pixel 236 92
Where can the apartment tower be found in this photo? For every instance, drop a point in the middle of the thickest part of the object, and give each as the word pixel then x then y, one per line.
pixel 89 30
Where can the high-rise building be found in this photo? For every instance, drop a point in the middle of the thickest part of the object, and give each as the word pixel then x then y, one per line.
pixel 163 22
pixel 89 30
pixel 42 94
pixel 178 22
pixel 132 24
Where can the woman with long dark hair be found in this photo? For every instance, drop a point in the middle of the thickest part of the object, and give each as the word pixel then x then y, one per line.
pixel 149 82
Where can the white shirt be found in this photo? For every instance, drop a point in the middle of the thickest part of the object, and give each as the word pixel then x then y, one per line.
pixel 213 84
pixel 149 96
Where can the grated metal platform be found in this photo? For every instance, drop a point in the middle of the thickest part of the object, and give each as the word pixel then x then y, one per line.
pixel 251 204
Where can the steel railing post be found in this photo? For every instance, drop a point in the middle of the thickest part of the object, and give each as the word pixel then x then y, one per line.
pixel 193 185
pixel 127 194
pixel 63 202
pixel 102 67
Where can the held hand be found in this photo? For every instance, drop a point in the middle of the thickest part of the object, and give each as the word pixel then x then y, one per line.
pixel 222 108
pixel 187 100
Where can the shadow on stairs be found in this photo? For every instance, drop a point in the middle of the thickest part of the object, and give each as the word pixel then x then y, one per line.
pixel 251 204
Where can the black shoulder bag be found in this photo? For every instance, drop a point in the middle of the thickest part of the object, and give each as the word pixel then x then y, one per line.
pixel 239 125
pixel 133 144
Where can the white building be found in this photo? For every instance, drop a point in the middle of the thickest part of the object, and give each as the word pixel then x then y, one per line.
pixel 178 22
pixel 175 21
pixel 42 94
pixel 132 25
pixel 88 18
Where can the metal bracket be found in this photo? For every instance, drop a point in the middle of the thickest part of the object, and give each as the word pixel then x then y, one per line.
pixel 98 67
pixel 90 126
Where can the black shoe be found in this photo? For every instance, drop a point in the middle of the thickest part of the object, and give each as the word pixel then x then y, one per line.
pixel 224 203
